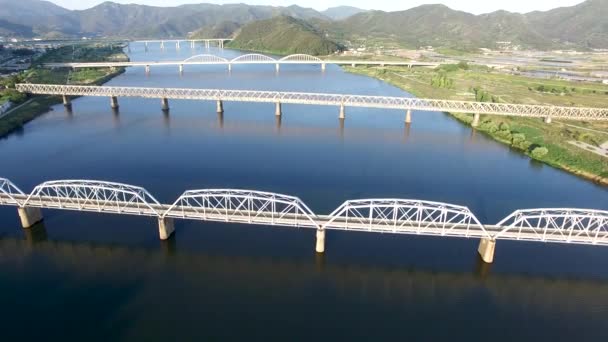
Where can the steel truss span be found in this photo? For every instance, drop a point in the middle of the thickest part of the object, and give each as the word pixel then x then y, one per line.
pixel 242 206
pixel 97 196
pixel 403 103
pixel 556 225
pixel 407 217
pixel 397 216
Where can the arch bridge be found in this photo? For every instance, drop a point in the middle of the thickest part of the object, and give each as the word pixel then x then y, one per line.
pixel 388 216
pixel 252 58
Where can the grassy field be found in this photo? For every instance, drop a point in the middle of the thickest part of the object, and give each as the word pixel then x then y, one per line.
pixel 544 142
pixel 41 104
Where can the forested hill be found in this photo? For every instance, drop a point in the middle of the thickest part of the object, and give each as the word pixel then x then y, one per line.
pixel 283 35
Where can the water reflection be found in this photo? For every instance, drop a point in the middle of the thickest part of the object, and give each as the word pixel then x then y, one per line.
pixel 384 285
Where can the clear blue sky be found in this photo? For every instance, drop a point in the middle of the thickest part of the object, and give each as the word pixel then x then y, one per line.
pixel 472 6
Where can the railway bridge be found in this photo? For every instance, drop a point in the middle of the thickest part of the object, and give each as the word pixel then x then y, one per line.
pixel 407 104
pixel 384 216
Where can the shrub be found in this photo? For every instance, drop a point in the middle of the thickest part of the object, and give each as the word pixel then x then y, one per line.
pixel 489 126
pixel 519 142
pixel 504 126
pixel 504 135
pixel 539 152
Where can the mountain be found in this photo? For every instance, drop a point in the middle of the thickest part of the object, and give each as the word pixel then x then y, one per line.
pixel 225 29
pixel 29 12
pixel 584 25
pixel 138 21
pixel 581 26
pixel 8 29
pixel 342 12
pixel 283 35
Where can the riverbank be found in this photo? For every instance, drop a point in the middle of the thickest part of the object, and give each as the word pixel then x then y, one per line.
pixel 32 107
pixel 546 143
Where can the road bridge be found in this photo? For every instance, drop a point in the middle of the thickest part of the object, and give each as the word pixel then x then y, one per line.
pixel 254 58
pixel 385 216
pixel 407 104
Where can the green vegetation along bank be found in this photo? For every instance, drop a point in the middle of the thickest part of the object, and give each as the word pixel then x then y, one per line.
pixel 31 107
pixel 548 143
pixel 283 35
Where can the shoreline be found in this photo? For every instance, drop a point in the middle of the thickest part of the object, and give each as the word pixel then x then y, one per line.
pixel 461 118
pixel 37 105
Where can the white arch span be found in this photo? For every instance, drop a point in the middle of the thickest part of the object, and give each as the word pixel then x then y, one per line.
pixel 205 58
pixel 253 57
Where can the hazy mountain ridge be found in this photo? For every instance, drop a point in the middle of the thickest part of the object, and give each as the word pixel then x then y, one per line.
pixel 112 19
pixel 583 25
pixel 342 12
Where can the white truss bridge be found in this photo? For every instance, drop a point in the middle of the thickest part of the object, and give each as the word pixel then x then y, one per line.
pixel 388 216
pixel 254 58
pixel 342 100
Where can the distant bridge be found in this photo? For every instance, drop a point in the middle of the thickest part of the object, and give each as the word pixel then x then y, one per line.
pixel 394 216
pixel 219 41
pixel 341 100
pixel 254 58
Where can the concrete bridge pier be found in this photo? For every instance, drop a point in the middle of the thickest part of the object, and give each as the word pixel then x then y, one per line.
pixel 486 250
pixel 114 102
pixel 475 122
pixel 162 45
pixel 342 112
pixel 277 67
pixel 29 216
pixel 277 109
pixel 192 46
pixel 221 44
pixel 181 68
pixel 548 120
pixel 320 246
pixel 147 69
pixel 66 101
pixel 207 44
pixel 353 65
pixel 166 227
pixel 177 47
pixel 323 67
pixel 229 67
pixel 164 104
pixel 408 116
pixel 146 46
pixel 220 106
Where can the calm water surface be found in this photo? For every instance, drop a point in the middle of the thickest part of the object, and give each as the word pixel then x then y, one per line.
pixel 82 276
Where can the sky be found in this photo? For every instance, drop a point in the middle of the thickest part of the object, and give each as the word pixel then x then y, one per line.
pixel 471 6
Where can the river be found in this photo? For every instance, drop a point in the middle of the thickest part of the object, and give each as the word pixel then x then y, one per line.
pixel 82 276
